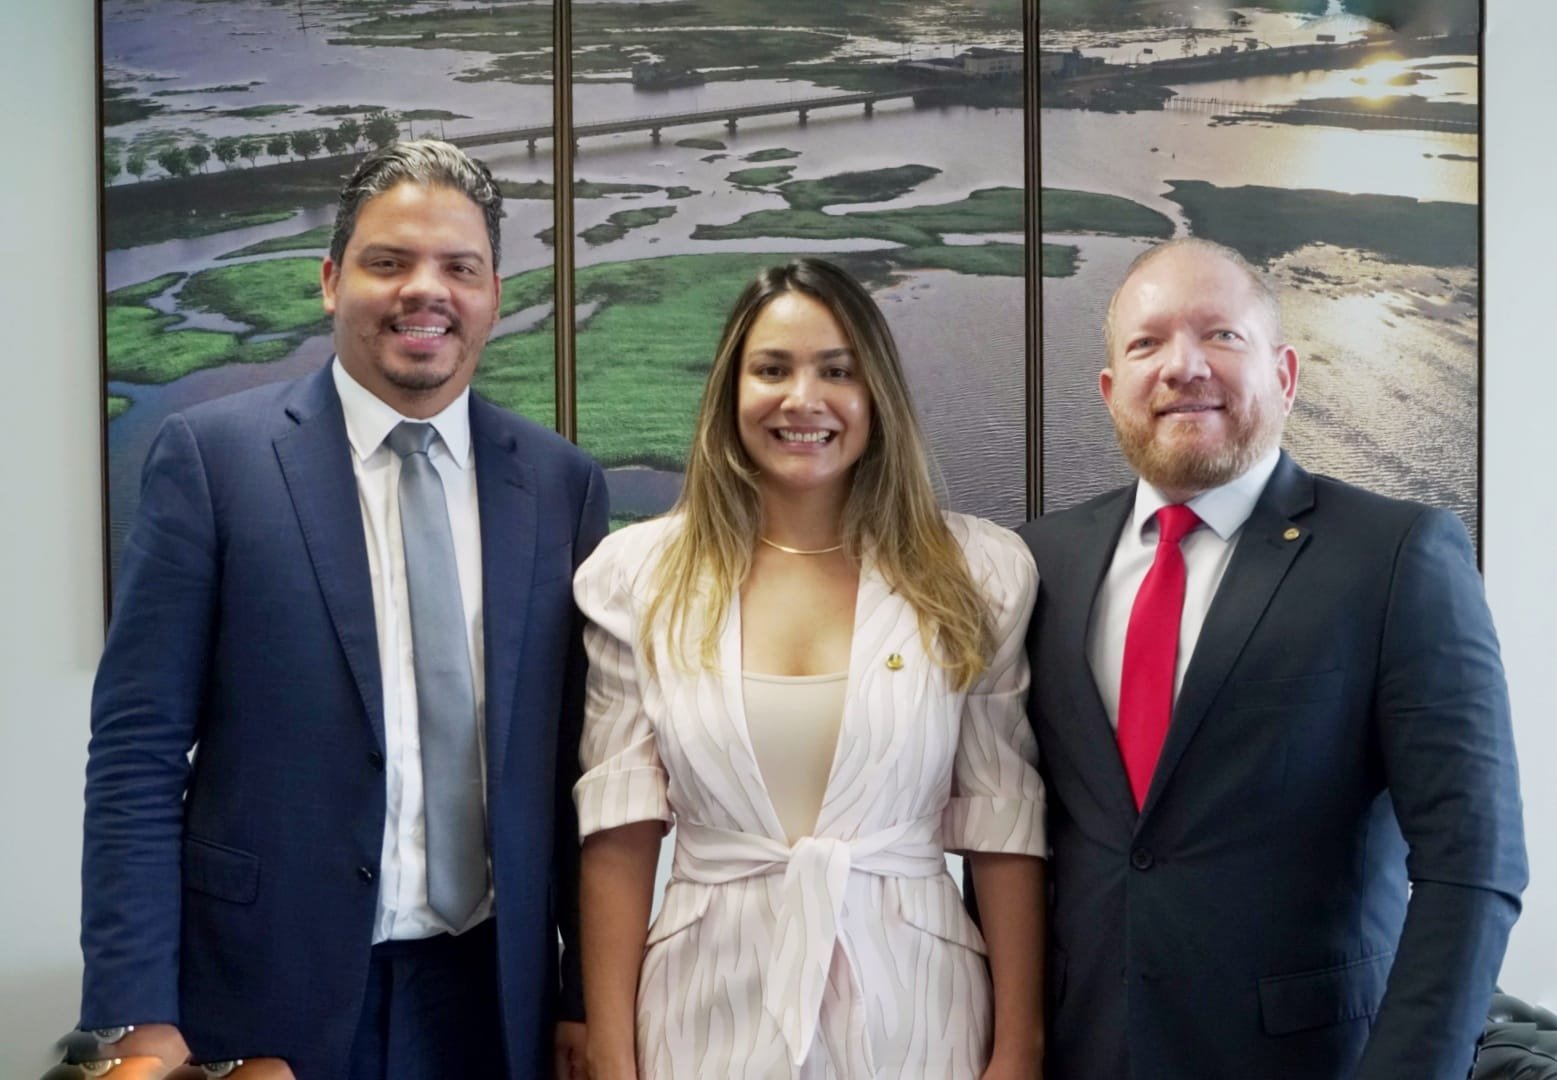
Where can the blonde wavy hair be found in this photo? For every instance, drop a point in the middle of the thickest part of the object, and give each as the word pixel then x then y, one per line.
pixel 891 512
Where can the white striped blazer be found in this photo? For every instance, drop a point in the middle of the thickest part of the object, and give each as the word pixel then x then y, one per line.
pixel 848 955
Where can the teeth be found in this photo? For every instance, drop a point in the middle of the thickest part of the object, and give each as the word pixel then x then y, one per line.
pixel 805 436
pixel 423 331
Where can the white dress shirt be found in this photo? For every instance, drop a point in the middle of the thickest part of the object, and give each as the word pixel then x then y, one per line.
pixel 1207 551
pixel 403 911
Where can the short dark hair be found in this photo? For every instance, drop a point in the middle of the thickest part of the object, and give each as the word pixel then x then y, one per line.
pixel 430 162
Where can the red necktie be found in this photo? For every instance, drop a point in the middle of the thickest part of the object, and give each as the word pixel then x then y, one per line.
pixel 1151 653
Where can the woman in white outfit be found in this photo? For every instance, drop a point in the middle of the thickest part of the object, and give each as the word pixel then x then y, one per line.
pixel 819 679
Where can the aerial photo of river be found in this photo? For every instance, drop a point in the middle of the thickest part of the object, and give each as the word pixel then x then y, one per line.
pixel 1343 158
pixel 1338 154
pixel 229 123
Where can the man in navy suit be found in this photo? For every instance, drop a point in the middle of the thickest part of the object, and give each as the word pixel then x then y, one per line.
pixel 271 898
pixel 1274 728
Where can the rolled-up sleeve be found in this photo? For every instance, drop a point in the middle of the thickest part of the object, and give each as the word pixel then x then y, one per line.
pixel 623 780
pixel 997 802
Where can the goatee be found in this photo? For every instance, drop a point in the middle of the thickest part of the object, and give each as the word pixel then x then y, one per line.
pixel 1169 462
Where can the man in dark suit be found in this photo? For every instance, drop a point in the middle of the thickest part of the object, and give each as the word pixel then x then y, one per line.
pixel 351 596
pixel 1272 719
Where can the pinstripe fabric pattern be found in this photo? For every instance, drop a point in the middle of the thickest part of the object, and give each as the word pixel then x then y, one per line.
pixel 848 955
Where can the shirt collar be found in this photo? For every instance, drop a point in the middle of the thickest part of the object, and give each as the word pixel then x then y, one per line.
pixel 369 419
pixel 1224 509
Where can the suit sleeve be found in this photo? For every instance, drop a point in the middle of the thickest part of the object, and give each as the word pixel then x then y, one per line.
pixel 592 525
pixel 1447 741
pixel 624 780
pixel 145 719
pixel 997 802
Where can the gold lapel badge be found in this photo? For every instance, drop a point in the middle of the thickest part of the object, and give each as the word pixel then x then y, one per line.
pixel 1292 533
pixel 895 662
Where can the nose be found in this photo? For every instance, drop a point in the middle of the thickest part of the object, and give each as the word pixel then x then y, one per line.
pixel 424 282
pixel 1184 359
pixel 803 393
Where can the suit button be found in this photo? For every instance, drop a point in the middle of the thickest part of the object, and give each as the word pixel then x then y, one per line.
pixel 366 874
pixel 1141 859
pixel 376 760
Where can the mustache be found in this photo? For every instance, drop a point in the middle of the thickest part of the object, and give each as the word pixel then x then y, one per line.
pixel 454 322
pixel 1164 402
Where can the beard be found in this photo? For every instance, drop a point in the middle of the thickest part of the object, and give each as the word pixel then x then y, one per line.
pixel 422 379
pixel 417 376
pixel 1173 460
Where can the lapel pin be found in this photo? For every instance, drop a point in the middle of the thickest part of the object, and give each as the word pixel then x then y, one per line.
pixel 895 662
pixel 1292 533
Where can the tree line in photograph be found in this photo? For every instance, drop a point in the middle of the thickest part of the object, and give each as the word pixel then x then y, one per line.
pixel 378 129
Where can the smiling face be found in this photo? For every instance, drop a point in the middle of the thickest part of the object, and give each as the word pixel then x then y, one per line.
pixel 803 412
pixel 1198 387
pixel 414 296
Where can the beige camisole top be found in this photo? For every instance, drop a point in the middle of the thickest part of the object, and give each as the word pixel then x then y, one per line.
pixel 793 721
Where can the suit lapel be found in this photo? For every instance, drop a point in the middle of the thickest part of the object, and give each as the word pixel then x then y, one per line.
pixel 315 459
pixel 1091 738
pixel 506 500
pixel 1266 549
pixel 884 624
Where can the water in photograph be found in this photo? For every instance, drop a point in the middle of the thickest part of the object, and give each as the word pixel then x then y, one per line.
pixel 1388 389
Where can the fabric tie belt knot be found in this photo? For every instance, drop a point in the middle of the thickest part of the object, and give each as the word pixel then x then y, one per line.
pixel 816 874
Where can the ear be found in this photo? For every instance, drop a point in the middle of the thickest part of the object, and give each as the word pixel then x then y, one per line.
pixel 329 277
pixel 1105 386
pixel 497 299
pixel 1287 375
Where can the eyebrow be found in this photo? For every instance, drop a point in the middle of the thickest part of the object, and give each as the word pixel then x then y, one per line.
pixel 785 354
pixel 1152 326
pixel 370 250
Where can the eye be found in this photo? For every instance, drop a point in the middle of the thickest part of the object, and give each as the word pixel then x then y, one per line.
pixel 768 370
pixel 1228 336
pixel 1139 343
pixel 838 371
pixel 384 263
pixel 463 269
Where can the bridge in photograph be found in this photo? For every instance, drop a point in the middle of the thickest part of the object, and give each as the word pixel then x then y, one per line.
pixel 729 115
pixel 1383 117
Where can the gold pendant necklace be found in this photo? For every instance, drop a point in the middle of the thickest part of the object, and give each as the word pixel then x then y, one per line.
pixel 801 551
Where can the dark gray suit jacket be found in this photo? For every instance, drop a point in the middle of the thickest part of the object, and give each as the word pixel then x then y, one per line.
pixel 1342 733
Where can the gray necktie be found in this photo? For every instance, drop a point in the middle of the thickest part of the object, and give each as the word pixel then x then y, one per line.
pixel 445 696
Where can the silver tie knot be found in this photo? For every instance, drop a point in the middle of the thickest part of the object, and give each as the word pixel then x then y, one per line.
pixel 411 437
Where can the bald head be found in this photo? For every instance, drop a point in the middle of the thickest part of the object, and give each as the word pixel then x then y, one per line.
pixel 1261 291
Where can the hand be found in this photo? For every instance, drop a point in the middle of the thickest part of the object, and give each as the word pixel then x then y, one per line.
pixel 611 1066
pixel 136 1068
pixel 263 1069
pixel 160 1041
pixel 1014 1066
pixel 568 1058
pixel 251 1069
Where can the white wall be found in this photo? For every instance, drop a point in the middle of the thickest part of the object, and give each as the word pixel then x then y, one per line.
pixel 51 593
pixel 50 547
pixel 1519 491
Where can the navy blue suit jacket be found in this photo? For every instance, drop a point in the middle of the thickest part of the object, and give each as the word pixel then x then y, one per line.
pixel 1342 730
pixel 235 895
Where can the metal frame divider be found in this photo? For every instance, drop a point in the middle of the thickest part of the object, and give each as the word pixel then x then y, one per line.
pixel 1033 223
pixel 565 392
